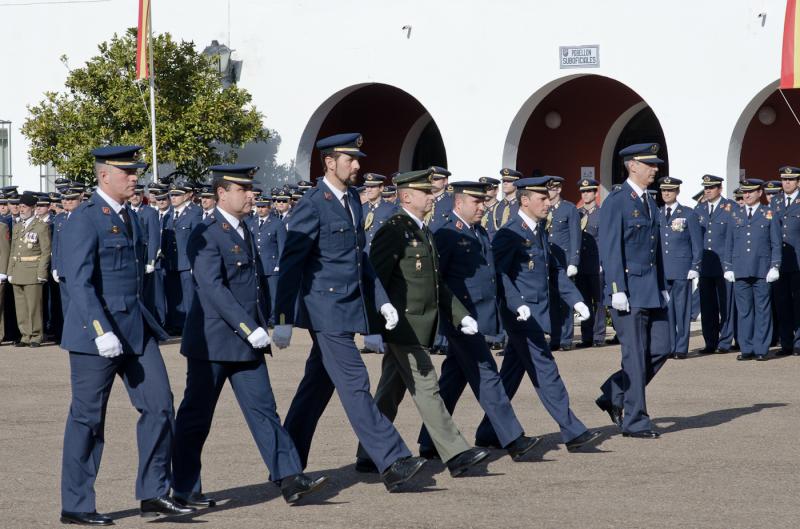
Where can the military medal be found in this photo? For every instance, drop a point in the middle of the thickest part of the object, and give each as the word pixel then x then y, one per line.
pixel 225 226
pixel 236 249
pixel 418 265
pixel 528 243
pixel 414 243
pixel 635 212
pixel 114 229
pixel 368 220
pixel 107 210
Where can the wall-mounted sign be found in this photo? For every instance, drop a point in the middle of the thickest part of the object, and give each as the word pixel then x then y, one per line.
pixel 579 56
pixel 587 172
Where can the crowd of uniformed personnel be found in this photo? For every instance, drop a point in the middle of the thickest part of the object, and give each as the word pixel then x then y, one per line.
pixel 414 267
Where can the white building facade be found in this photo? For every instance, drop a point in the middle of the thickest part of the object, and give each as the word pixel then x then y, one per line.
pixel 471 84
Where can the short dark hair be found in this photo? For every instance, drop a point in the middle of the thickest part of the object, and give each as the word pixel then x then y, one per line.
pixel 334 155
pixel 224 184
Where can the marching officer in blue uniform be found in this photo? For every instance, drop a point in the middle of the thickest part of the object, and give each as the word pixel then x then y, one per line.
pixel 109 332
pixel 524 263
pixel 178 281
pixel 786 290
pixel 70 199
pixel 506 209
pixel 590 274
pixel 225 339
pixel 716 294
pixel 442 199
pixel 376 210
pixel 148 221
pixel 563 227
pixel 270 236
pixel 752 261
pixel 681 251
pixel 327 285
pixel 635 290
pixel 280 203
pixel 466 264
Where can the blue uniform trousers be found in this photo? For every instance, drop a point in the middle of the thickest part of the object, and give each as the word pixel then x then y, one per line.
pixel 154 296
pixel 469 361
pixel 561 320
pixel 251 385
pixel 146 381
pixel 62 286
pixel 593 330
pixel 787 306
pixel 755 317
pixel 269 286
pixel 528 352
pixel 179 293
pixel 679 312
pixel 334 362
pixel 644 336
pixel 716 312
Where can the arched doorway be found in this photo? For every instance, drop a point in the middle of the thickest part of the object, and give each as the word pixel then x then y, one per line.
pixel 399 133
pixel 766 137
pixel 574 126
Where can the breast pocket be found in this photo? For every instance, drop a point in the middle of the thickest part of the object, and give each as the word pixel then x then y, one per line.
pixel 114 252
pixel 341 235
pixel 636 228
pixel 238 266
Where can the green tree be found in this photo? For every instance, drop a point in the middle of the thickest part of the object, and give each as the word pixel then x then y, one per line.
pixel 104 104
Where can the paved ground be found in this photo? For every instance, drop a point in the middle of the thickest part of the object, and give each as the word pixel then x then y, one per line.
pixel 729 456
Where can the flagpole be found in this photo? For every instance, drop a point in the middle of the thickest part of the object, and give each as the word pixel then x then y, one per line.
pixel 152 93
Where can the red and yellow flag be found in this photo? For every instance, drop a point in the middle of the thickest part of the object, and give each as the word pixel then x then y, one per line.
pixel 790 60
pixel 143 40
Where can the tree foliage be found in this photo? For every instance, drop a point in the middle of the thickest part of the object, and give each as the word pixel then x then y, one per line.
pixel 104 104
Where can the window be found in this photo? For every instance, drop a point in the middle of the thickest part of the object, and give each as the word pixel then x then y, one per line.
pixel 47 177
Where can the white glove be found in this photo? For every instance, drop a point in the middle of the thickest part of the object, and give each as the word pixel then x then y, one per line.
pixel 374 342
pixel 55 275
pixel 390 315
pixel 149 269
pixel 729 276
pixel 469 326
pixel 259 338
pixel 108 345
pixel 41 279
pixel 692 275
pixel 10 279
pixel 665 295
pixel 582 310
pixel 773 275
pixel 524 312
pixel 276 269
pixel 601 269
pixel 3 278
pixel 572 271
pixel 282 335
pixel 695 284
pixel 619 301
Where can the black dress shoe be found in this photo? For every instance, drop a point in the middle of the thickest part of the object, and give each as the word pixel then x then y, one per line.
pixel 20 344
pixel 583 440
pixel 566 347
pixel 646 434
pixel 707 351
pixel 742 357
pixel 723 351
pixel 163 505
pixel 761 358
pixel 796 352
pixel 784 352
pixel 466 460
pixel 365 466
pixel 85 518
pixel 599 344
pixel 614 412
pixel 35 344
pixel 521 446
pixel 680 356
pixel 295 487
pixel 194 500
pixel 613 341
pixel 401 471
pixel 428 453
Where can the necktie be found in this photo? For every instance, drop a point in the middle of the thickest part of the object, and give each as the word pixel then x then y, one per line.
pixel 126 218
pixel 710 209
pixel 669 213
pixel 646 204
pixel 749 213
pixel 347 207
pixel 788 201
pixel 260 222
